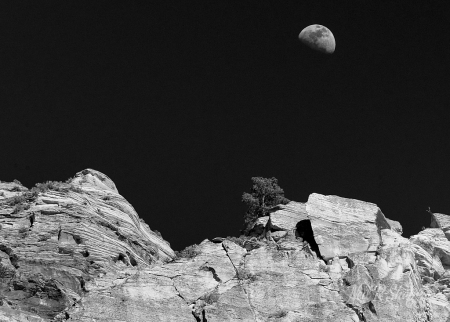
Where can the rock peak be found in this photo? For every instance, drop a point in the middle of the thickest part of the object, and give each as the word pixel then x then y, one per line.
pixel 93 178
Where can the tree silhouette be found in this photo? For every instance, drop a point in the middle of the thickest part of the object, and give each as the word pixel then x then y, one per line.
pixel 265 194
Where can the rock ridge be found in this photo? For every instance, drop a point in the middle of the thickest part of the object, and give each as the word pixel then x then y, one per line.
pixel 78 251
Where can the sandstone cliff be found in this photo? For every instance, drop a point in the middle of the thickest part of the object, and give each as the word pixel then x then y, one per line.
pixel 79 252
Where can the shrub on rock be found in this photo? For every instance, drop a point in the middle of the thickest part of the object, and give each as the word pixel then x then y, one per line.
pixel 188 252
pixel 264 195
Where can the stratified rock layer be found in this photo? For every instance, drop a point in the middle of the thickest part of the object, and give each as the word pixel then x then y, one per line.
pixel 55 243
pixel 79 252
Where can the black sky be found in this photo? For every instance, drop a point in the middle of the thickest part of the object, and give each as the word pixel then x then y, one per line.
pixel 182 102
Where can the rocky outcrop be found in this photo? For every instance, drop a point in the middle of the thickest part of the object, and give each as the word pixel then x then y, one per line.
pixel 344 226
pixel 395 226
pixel 441 221
pixel 59 239
pixel 78 252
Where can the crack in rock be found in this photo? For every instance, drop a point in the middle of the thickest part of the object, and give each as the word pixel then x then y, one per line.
pixel 205 267
pixel 240 283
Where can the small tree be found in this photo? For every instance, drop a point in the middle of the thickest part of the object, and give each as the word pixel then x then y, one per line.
pixel 265 194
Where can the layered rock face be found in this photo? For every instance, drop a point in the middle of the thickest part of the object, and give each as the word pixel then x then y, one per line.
pixel 56 243
pixel 78 252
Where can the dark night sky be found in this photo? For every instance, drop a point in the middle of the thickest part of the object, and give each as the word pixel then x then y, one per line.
pixel 183 102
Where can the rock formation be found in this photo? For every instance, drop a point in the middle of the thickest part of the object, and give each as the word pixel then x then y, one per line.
pixel 77 251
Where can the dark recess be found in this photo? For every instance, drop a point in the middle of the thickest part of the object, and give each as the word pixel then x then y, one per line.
pixel 77 239
pixel 32 219
pixel 304 230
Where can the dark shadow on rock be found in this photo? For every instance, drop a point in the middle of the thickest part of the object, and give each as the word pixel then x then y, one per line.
pixel 304 230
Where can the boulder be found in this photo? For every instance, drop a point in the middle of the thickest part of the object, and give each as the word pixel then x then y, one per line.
pixel 342 226
pixel 286 217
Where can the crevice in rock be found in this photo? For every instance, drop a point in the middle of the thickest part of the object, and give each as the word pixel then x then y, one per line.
pixel 85 253
pixel 372 307
pixel 178 292
pixel 350 263
pixel 77 239
pixel 121 257
pixel 32 220
pixel 240 283
pixel 132 260
pixel 196 317
pixel 136 243
pixel 226 252
pixel 358 312
pixel 121 237
pixel 205 267
pixel 82 284
pixel 14 259
pixel 198 310
pixel 107 224
pixel 304 230
pixel 235 268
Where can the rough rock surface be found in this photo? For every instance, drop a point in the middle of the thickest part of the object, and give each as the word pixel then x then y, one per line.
pixel 55 243
pixel 441 221
pixel 78 252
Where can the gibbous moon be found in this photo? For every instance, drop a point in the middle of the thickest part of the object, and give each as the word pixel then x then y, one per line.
pixel 319 38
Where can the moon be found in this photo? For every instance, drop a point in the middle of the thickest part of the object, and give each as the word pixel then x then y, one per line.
pixel 319 38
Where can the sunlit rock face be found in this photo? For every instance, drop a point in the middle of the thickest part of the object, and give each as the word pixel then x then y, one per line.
pixel 441 221
pixel 344 226
pixel 395 226
pixel 56 245
pixel 90 179
pixel 377 273
pixel 79 252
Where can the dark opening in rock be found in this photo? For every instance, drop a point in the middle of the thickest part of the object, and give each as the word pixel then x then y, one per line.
pixel 82 284
pixel 32 219
pixel 350 263
pixel 304 230
pixel 122 258
pixel 14 259
pixel 85 253
pixel 132 260
pixel 77 239
pixel 372 307
pixel 212 270
pixel 196 317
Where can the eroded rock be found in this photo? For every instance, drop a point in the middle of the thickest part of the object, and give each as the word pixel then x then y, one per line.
pixel 342 226
pixel 57 242
pixel 79 252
